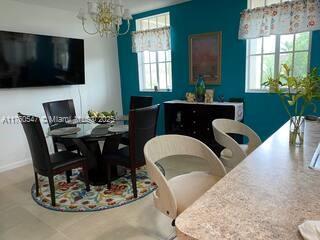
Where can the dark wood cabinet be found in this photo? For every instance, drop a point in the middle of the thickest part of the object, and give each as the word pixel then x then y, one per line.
pixel 195 119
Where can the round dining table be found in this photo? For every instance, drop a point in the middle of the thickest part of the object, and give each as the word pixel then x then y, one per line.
pixel 87 137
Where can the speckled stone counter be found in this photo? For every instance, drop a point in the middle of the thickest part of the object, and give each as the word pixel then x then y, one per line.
pixel 265 197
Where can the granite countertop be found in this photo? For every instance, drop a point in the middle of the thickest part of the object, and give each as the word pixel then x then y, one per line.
pixel 265 197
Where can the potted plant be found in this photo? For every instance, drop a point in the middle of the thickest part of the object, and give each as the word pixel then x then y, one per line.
pixel 296 93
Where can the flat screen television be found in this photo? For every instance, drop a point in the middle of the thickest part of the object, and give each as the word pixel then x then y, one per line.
pixel 29 60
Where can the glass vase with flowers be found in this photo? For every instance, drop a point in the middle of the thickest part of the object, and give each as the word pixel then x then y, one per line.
pixel 296 94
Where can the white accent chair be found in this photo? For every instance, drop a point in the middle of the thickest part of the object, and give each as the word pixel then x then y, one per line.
pixel 173 196
pixel 234 153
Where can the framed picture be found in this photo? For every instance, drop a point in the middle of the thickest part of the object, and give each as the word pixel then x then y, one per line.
pixel 205 57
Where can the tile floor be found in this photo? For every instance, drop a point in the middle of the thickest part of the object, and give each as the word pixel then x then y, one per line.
pixel 21 218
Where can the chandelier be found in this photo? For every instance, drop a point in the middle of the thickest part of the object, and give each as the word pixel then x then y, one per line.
pixel 107 17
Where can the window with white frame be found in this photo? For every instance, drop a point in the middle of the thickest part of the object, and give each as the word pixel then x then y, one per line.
pixel 266 55
pixel 155 71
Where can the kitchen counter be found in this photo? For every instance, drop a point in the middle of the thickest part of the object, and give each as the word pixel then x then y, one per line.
pixel 265 197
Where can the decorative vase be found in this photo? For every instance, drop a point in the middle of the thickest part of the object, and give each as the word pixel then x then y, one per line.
pixel 297 125
pixel 200 89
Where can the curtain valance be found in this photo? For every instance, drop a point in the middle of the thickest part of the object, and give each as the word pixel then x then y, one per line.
pixel 283 18
pixel 151 40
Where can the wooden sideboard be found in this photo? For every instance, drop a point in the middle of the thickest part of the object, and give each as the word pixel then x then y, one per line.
pixel 195 119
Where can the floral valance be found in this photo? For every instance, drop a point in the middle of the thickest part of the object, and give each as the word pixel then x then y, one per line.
pixel 151 40
pixel 283 18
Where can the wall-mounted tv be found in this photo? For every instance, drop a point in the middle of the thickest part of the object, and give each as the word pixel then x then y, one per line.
pixel 29 60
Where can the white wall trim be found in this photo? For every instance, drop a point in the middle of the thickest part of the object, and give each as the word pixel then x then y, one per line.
pixel 15 164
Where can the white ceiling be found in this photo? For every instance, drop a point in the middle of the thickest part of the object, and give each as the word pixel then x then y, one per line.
pixel 136 6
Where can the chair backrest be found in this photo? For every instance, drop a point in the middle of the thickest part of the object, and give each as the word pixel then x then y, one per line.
pixel 171 145
pixel 143 127
pixel 140 102
pixel 37 142
pixel 223 127
pixel 58 112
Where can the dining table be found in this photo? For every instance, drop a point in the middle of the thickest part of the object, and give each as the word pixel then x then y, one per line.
pixel 89 137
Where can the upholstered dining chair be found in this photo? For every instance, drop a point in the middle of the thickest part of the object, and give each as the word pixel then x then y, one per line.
pixel 142 127
pixel 140 102
pixel 173 196
pixel 57 112
pixel 234 153
pixel 46 164
pixel 137 102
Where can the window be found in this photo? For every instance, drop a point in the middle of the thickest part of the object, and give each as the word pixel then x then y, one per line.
pixel 155 71
pixel 266 55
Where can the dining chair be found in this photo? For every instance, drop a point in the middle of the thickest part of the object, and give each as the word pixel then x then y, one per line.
pixel 173 196
pixel 140 102
pixel 57 113
pixel 143 124
pixel 233 152
pixel 46 164
pixel 137 102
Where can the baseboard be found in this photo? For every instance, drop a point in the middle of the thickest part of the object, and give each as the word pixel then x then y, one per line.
pixel 14 165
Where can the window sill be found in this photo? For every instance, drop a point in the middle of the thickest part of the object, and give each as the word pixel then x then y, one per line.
pixel 159 91
pixel 256 91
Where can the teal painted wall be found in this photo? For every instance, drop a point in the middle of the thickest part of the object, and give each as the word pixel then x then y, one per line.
pixel 262 111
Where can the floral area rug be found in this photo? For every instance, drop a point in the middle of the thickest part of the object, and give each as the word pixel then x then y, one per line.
pixel 73 197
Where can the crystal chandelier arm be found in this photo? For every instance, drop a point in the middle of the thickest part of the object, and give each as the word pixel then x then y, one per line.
pixel 84 28
pixel 128 28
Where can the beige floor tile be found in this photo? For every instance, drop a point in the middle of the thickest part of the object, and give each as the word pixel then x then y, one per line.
pixel 25 185
pixel 58 236
pixel 6 201
pixel 19 174
pixel 13 216
pixel 95 226
pixel 17 223
pixel 153 224
pixel 126 232
pixel 4 181
pixel 18 197
pixel 57 220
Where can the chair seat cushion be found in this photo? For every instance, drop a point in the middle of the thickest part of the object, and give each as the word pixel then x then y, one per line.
pixel 121 156
pixel 125 139
pixel 189 187
pixel 65 158
pixel 66 145
pixel 226 153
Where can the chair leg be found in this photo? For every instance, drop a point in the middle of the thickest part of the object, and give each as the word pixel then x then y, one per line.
pixel 109 175
pixel 52 190
pixel 134 182
pixel 37 183
pixel 85 176
pixel 68 175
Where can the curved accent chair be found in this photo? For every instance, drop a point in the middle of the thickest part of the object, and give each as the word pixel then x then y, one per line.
pixel 234 152
pixel 173 196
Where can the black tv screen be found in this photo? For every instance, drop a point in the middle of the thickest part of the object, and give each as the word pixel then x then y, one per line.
pixel 28 60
